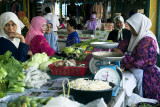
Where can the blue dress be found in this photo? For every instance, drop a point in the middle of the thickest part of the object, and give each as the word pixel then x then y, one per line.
pixel 73 38
pixel 19 54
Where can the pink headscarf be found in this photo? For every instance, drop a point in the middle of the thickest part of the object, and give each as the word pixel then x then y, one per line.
pixel 35 28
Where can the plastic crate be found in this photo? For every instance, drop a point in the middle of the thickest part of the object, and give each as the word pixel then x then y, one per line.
pixel 69 71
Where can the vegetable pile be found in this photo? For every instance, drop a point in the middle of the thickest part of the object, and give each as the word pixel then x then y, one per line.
pixel 40 61
pixel 23 101
pixel 11 76
pixel 35 78
pixel 77 54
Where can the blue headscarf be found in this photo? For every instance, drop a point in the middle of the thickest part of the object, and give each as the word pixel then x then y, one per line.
pixel 52 38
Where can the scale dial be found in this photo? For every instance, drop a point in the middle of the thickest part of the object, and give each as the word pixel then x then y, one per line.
pixel 94 65
pixel 108 74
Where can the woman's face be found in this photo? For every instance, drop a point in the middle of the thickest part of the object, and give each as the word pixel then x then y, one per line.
pixel 92 19
pixel 44 27
pixel 10 28
pixel 133 31
pixel 119 24
pixel 69 28
pixel 49 28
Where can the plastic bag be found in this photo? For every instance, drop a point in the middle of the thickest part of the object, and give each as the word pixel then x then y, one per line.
pixel 62 102
pixel 135 99
pixel 97 103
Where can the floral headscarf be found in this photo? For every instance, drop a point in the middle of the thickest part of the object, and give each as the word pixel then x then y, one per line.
pixel 21 14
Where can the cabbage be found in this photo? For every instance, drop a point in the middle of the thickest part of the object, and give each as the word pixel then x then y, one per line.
pixel 33 63
pixel 44 57
pixel 40 57
pixel 44 66
pixel 37 58
pixel 68 50
pixel 77 51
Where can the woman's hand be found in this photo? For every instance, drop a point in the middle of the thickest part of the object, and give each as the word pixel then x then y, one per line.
pixel 17 35
pixel 117 51
pixel 30 53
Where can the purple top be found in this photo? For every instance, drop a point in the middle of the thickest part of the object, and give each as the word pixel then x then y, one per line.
pixel 144 56
pixel 92 24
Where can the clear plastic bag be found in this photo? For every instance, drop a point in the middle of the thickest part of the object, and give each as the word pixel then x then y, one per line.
pixel 135 99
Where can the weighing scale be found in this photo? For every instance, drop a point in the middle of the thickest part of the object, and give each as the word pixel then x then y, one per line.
pixel 105 65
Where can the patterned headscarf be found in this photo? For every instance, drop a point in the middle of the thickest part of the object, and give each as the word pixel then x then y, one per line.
pixel 21 14
pixel 4 19
pixel 141 25
pixel 92 24
pixel 25 21
pixel 35 28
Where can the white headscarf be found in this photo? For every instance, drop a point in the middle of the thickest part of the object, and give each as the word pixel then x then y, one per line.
pixel 141 25
pixel 4 19
pixel 119 18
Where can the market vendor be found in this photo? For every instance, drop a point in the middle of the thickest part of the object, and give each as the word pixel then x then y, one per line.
pixel 141 56
pixel 97 19
pixel 119 33
pixel 11 38
pixel 73 37
pixel 92 24
pixel 51 37
pixel 35 37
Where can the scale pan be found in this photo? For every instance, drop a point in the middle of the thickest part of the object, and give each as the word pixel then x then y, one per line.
pixel 104 44
pixel 110 56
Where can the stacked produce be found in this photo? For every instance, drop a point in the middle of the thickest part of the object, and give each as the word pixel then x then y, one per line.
pixel 11 76
pixel 34 67
pixel 35 78
pixel 23 101
pixel 40 61
pixel 72 53
pixel 86 43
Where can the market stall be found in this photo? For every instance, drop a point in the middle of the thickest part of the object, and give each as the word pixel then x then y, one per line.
pixel 43 79
pixel 44 85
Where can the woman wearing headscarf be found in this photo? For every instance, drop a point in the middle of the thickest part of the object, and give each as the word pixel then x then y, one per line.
pixel 92 23
pixel 35 37
pixel 25 21
pixel 51 37
pixel 119 33
pixel 141 56
pixel 11 38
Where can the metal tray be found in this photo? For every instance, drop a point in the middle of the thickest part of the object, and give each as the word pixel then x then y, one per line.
pixel 109 56
pixel 104 44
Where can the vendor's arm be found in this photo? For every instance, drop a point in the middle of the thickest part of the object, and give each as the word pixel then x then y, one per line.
pixel 123 45
pixel 86 25
pixel 142 56
pixel 111 36
pixel 45 47
pixel 22 52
